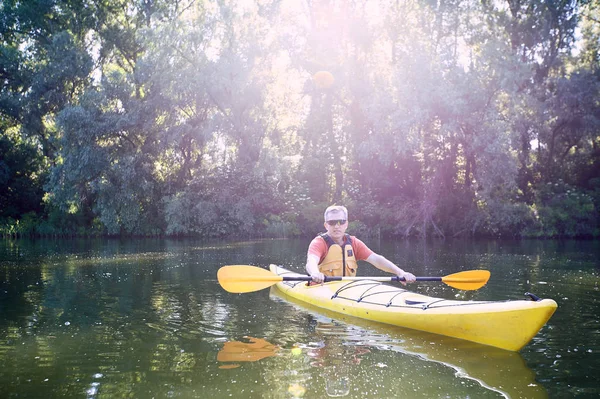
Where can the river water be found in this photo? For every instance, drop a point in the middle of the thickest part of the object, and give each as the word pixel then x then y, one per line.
pixel 148 319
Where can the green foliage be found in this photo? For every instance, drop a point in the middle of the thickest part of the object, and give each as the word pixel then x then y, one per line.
pixel 201 118
pixel 226 203
pixel 21 177
pixel 564 211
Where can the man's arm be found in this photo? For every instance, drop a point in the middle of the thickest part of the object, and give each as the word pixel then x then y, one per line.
pixel 312 268
pixel 382 263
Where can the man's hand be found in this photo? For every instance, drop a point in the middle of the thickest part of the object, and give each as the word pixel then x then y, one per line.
pixel 318 277
pixel 408 277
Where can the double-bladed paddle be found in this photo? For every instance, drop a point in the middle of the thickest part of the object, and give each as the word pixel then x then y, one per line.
pixel 244 278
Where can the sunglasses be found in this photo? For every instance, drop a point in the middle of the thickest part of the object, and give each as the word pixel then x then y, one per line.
pixel 336 222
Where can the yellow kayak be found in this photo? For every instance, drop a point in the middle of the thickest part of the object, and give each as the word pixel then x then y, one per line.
pixel 508 325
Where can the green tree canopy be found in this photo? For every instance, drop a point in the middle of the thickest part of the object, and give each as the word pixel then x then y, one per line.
pixel 445 118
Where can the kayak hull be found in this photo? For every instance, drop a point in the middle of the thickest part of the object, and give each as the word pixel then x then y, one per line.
pixel 507 325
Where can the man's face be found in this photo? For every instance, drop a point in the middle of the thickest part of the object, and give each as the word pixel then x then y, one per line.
pixel 334 226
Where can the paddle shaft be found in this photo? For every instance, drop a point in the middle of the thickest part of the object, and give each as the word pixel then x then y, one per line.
pixel 341 278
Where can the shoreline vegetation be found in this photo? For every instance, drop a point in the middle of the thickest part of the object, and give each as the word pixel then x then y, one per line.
pixel 222 118
pixel 31 226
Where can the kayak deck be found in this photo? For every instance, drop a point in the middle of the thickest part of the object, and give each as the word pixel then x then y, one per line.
pixel 508 325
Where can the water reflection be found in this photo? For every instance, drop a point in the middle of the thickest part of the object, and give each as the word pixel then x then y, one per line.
pixel 146 318
pixel 334 357
pixel 345 340
pixel 252 351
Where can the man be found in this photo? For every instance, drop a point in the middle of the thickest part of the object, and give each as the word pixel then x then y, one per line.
pixel 336 253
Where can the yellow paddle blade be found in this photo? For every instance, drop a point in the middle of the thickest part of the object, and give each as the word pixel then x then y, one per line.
pixel 468 280
pixel 243 278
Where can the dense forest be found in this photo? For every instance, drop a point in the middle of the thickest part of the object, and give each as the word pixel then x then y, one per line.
pixel 247 118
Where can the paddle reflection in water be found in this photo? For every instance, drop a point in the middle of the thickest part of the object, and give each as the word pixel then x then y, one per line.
pixel 499 372
pixel 252 351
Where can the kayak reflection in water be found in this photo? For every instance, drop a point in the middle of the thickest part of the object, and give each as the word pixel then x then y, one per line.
pixel 335 357
pixel 335 253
